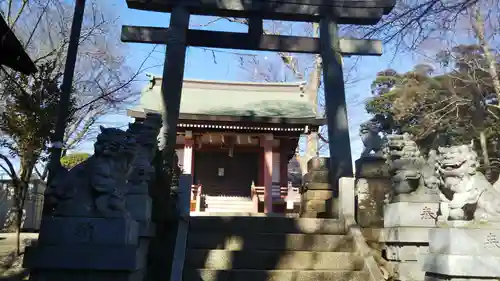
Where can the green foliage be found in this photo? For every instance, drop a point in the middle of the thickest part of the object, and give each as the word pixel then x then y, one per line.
pixel 30 110
pixel 71 160
pixel 449 108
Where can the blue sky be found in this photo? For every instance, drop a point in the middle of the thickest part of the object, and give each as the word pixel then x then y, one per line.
pixel 200 64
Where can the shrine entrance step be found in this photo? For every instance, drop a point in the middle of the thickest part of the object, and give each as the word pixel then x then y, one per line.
pixel 270 248
pixel 224 204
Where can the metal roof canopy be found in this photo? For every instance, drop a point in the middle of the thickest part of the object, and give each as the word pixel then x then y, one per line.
pixel 13 54
pixel 360 12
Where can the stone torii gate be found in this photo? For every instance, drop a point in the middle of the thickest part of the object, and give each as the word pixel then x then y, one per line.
pixel 329 13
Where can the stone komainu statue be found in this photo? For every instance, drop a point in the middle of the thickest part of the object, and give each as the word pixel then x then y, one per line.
pixel 369 134
pixel 96 187
pixel 410 172
pixel 466 194
pixel 405 163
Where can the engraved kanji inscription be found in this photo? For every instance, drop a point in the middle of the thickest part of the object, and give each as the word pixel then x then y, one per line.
pixel 84 232
pixel 491 241
pixel 427 214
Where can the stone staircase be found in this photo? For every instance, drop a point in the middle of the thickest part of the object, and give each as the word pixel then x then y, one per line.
pixel 270 249
pixel 228 204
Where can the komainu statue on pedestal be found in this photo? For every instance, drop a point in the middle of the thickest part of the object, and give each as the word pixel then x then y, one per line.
pixel 96 187
pixel 409 171
pixel 142 170
pixel 466 193
pixel 369 134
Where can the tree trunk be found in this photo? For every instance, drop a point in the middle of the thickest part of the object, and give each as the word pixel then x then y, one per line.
pixel 484 152
pixel 312 88
pixel 478 27
pixel 21 186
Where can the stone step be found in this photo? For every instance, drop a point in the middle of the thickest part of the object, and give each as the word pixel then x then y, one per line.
pixel 229 203
pixel 271 224
pixel 228 198
pixel 227 214
pixel 219 209
pixel 191 274
pixel 270 241
pixel 272 260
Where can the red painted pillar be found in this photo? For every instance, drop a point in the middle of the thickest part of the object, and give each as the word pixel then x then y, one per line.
pixel 267 144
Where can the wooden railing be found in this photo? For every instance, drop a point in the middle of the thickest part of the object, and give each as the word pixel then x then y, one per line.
pixel 196 190
pixel 279 193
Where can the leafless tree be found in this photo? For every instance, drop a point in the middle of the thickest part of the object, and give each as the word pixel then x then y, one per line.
pixel 103 82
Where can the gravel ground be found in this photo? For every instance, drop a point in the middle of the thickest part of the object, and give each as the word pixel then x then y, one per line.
pixel 11 268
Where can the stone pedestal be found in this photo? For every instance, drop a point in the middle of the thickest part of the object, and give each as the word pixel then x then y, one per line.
pixel 319 200
pixel 71 248
pixel 410 214
pixel 373 183
pixel 463 251
pixel 404 247
pixel 405 234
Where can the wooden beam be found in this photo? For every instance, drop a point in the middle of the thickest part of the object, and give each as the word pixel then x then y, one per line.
pixel 362 12
pixel 244 41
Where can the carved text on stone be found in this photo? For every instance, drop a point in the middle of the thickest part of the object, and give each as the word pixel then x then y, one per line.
pixel 491 241
pixel 427 214
pixel 84 232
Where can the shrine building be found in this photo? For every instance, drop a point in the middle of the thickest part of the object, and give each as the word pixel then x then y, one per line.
pixel 236 140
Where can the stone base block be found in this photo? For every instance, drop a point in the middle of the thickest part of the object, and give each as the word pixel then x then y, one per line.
pixel 404 253
pixel 372 167
pixel 79 275
pixel 437 277
pixel 409 271
pixel 417 197
pixel 96 231
pixel 410 214
pixel 463 241
pixel 463 266
pixel 318 195
pixel 87 257
pixel 319 204
pixel 413 235
pixel 139 206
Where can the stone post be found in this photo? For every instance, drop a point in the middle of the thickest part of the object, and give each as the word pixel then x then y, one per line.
pixel 318 196
pixel 373 184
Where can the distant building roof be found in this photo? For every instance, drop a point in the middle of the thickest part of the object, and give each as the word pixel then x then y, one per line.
pixel 13 54
pixel 236 99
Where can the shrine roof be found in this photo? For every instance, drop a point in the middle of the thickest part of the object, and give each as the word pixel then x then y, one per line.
pixel 13 54
pixel 264 102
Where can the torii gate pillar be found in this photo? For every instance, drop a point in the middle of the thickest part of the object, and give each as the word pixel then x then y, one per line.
pixel 335 101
